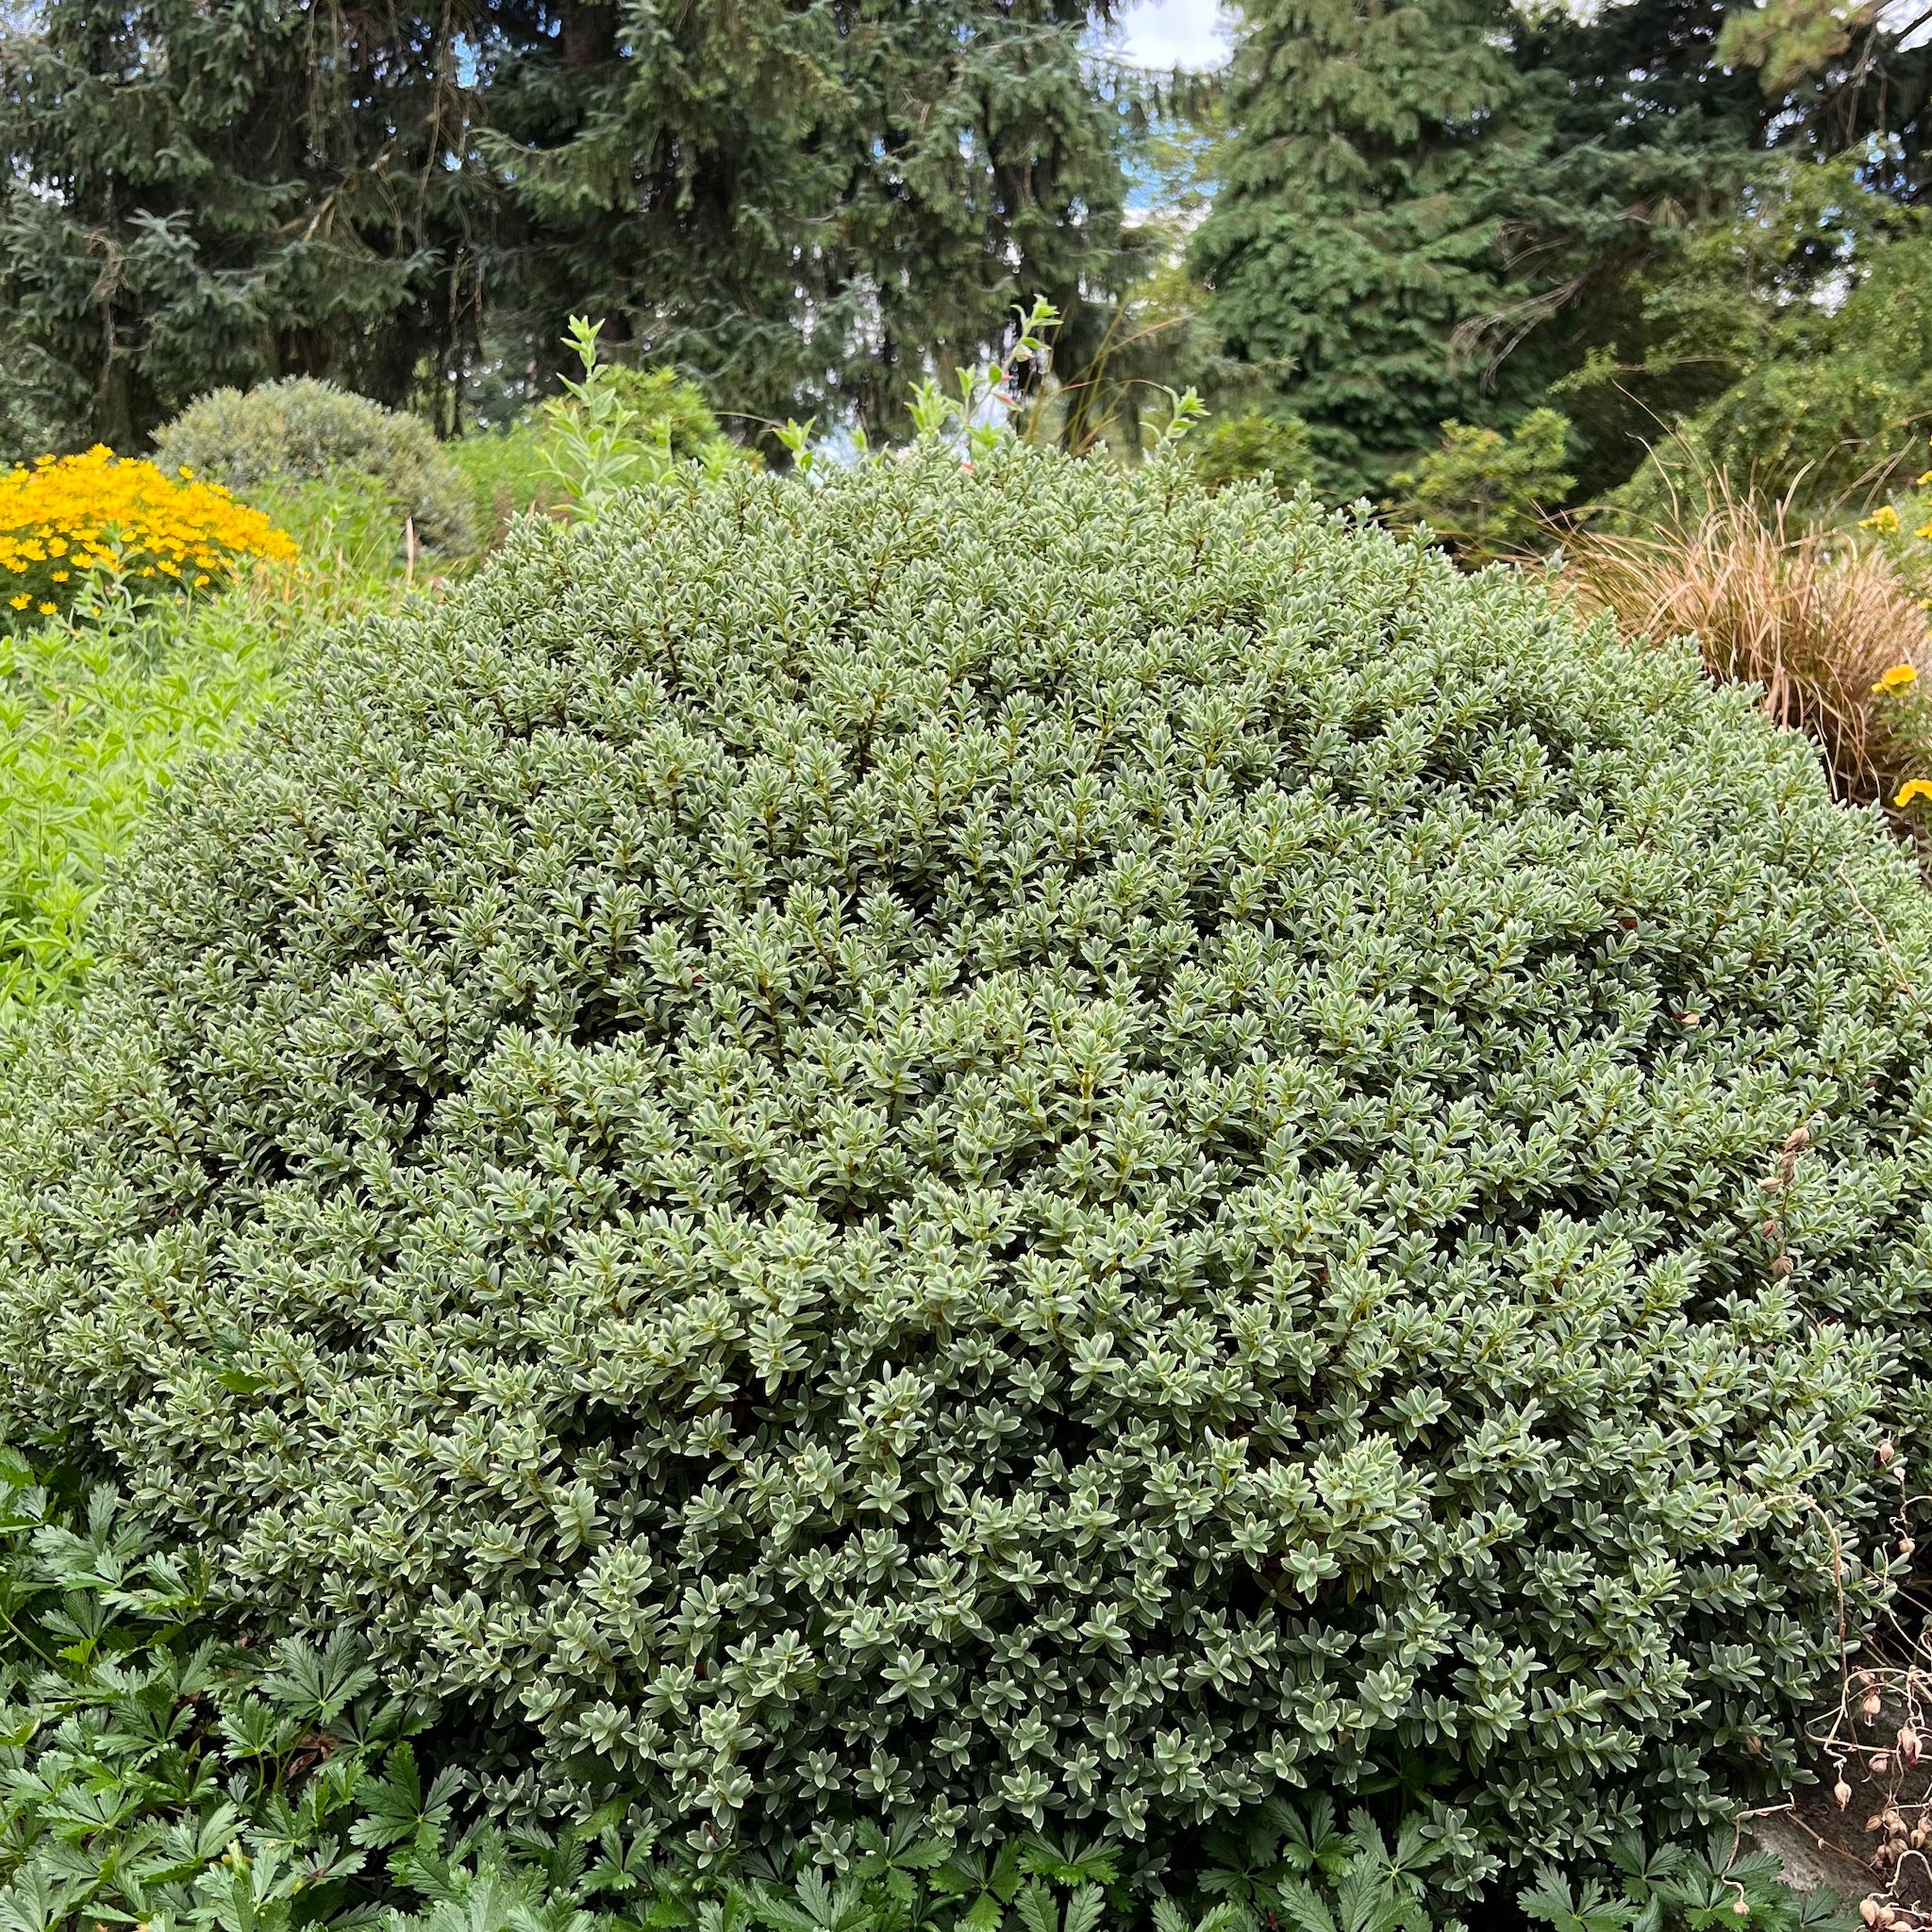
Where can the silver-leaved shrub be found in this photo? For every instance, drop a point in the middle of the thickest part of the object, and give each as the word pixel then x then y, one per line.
pixel 1020 1144
pixel 299 431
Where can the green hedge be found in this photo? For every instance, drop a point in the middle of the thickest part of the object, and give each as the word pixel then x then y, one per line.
pixel 1021 1146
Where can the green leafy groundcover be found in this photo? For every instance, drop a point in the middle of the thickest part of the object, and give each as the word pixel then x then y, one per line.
pixel 1019 1149
pixel 95 713
pixel 154 1772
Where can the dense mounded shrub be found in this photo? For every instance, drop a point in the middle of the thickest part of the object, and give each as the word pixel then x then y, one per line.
pixel 300 431
pixel 1025 1144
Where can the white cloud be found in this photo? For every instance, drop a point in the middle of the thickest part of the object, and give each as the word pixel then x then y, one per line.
pixel 1174 33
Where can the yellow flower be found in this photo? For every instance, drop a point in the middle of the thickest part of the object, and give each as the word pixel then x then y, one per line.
pixel 48 610
pixel 101 512
pixel 1911 788
pixel 1885 519
pixel 1897 678
pixel 20 603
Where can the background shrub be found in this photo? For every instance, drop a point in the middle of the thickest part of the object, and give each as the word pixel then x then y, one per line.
pixel 1252 443
pixel 511 470
pixel 303 431
pixel 662 402
pixel 1830 410
pixel 1018 1146
pixel 1488 495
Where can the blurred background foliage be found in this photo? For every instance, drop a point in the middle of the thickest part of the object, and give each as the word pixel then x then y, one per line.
pixel 1692 228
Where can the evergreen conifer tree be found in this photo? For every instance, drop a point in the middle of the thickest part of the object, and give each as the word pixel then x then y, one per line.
pixel 1360 223
pixel 204 194
pixel 1439 207
pixel 809 205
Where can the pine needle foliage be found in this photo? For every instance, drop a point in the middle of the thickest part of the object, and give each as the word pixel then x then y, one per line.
pixel 1021 1147
pixel 1357 226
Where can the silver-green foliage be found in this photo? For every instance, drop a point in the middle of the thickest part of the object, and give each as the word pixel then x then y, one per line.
pixel 1019 1142
pixel 301 431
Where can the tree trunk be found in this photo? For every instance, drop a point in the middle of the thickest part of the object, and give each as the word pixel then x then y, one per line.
pixel 590 33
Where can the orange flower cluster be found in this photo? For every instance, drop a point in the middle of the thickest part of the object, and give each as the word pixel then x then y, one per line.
pixel 69 515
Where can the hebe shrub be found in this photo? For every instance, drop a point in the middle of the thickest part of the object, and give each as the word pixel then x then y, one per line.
pixel 300 431
pixel 1022 1144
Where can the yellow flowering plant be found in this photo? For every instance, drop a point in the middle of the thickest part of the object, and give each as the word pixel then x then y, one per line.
pixel 68 517
pixel 1903 530
pixel 1907 715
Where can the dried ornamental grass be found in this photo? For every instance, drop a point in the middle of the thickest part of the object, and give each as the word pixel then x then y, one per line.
pixel 1023 1145
pixel 1824 624
pixel 69 516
